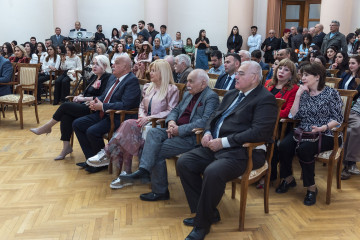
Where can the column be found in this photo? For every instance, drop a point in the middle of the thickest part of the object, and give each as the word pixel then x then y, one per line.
pixel 156 11
pixel 273 17
pixel 65 15
pixel 240 14
pixel 340 11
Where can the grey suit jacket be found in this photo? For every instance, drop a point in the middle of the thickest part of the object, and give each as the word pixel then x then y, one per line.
pixel 253 120
pixel 337 40
pixel 57 42
pixel 184 75
pixel 204 107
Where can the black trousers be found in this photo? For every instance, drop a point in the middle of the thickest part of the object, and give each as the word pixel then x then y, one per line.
pixel 204 193
pixel 66 114
pixel 305 152
pixel 42 78
pixel 62 88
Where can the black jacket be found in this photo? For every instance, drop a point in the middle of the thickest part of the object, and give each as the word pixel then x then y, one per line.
pixel 234 45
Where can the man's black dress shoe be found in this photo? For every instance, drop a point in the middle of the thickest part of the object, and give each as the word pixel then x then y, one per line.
pixel 310 198
pixel 151 196
pixel 82 164
pixel 91 169
pixel 198 233
pixel 190 221
pixel 284 186
pixel 140 175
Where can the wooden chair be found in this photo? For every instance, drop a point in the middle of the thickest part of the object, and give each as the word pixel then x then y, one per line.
pixel 212 79
pixel 327 65
pixel 333 72
pixel 220 92
pixel 337 154
pixel 49 84
pixel 182 88
pixel 28 79
pixel 251 176
pixel 332 82
pixel 357 80
pixel 264 74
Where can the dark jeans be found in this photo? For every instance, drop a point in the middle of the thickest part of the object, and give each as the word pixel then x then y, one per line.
pixel 62 88
pixel 66 114
pixel 42 78
pixel 305 152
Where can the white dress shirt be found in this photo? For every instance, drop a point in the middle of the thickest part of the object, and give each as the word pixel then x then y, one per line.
pixel 254 42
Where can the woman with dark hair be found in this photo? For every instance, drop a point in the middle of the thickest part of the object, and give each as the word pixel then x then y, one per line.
pixel 330 54
pixel 320 59
pixel 202 43
pixel 304 47
pixel 284 41
pixel 114 35
pixel 350 40
pixel 7 50
pixel 51 63
pixel 318 108
pixel 41 51
pixel 61 50
pixel 69 63
pixel 341 63
pixel 234 41
pixel 348 78
pixel 20 55
pixel 189 48
pixel 30 51
pixel 124 29
pixel 119 51
pixel 142 59
pixel 312 55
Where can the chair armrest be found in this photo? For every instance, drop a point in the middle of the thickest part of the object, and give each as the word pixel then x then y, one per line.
pixel 124 112
pixel 253 145
pixel 339 129
pixel 289 120
pixel 70 98
pixel 154 122
pixel 284 122
pixel 9 83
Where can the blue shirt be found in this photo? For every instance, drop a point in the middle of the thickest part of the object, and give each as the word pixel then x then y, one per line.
pixel 220 70
pixel 165 40
pixel 161 52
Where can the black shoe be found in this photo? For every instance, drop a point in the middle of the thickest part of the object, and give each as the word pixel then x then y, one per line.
pixel 198 233
pixel 151 196
pixel 345 175
pixel 284 186
pixel 140 175
pixel 82 164
pixel 190 221
pixel 310 198
pixel 91 169
pixel 55 103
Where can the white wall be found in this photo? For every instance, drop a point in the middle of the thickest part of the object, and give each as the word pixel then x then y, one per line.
pixel 109 14
pixel 189 16
pixel 260 17
pixel 22 19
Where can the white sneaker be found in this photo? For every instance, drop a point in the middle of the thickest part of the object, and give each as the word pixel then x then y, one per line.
pixel 117 184
pixel 98 156
pixel 354 170
pixel 99 160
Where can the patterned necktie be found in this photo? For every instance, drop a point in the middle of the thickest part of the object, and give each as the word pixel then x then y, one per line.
pixel 226 82
pixel 226 113
pixel 108 96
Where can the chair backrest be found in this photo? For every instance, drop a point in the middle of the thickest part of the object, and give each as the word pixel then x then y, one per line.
pixel 264 74
pixel 357 80
pixel 279 103
pixel 347 98
pixel 332 82
pixel 181 88
pixel 212 80
pixel 14 64
pixel 327 65
pixel 220 92
pixel 28 75
pixel 333 72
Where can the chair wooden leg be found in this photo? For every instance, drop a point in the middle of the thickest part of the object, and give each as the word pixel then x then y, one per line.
pixel 2 110
pixel 329 180
pixel 15 108
pixel 176 170
pixel 72 140
pixel 36 113
pixel 50 94
pixel 243 198
pixel 266 191
pixel 338 170
pixel 233 189
pixel 110 167
pixel 21 116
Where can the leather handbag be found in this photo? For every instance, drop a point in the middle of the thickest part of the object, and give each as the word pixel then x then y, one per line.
pixel 301 136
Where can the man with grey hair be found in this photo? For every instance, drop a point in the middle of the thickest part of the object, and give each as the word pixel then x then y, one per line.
pixel 197 105
pixel 305 31
pixel 334 38
pixel 319 35
pixel 246 114
pixel 171 60
pixel 182 68
pixel 244 55
pixel 312 31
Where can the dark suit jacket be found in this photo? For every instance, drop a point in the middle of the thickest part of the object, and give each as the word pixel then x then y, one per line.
pixel 184 75
pixel 221 81
pixel 337 40
pixel 55 41
pixel 126 95
pixel 318 39
pixel 6 71
pixel 234 45
pixel 274 44
pixel 81 29
pixel 264 66
pixel 253 120
pixel 296 41
pixel 91 92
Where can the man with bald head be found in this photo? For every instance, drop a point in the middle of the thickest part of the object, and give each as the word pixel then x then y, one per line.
pixel 269 45
pixel 122 93
pixel 197 105
pixel 319 35
pixel 77 27
pixel 312 31
pixel 246 114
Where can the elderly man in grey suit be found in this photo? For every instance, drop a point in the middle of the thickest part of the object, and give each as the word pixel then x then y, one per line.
pixel 246 114
pixel 182 68
pixel 334 38
pixel 198 103
pixel 57 39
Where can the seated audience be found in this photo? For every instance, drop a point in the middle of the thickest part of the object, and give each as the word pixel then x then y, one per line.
pixel 152 32
pixel 41 51
pixel 115 36
pixel 159 51
pixel 142 59
pixel 350 40
pixel 216 61
pixel 189 48
pixel 171 60
pixel 69 111
pixel 51 63
pixel 122 93
pixel 100 50
pixel 312 55
pixel 348 78
pixel 159 98
pixel 227 80
pixel 137 47
pixel 61 50
pixel 7 50
pixel 330 54
pixel 129 43
pixel 244 55
pixel 6 71
pixel 48 42
pixel 119 51
pixel 341 63
pixel 304 47
pixel 20 55
pixel 177 45
pixel 30 51
pixel 256 56
pixel 246 114
pixel 124 31
pixel 272 69
pixel 318 108
pixel 69 63
pixel 320 59
pixel 182 68
pixel 234 41
pixel 202 43
pixel 197 105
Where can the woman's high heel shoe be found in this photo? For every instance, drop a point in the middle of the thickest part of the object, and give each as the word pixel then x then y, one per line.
pixel 63 154
pixel 40 130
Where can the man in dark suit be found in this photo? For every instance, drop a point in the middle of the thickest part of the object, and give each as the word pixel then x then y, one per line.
pixel 122 93
pixel 256 56
pixel 197 105
pixel 77 27
pixel 297 40
pixel 227 80
pixel 246 114
pixel 334 38
pixel 269 45
pixel 182 67
pixel 6 71
pixel 319 35
pixel 57 39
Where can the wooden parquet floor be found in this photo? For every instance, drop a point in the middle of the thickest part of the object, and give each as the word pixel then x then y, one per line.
pixel 45 199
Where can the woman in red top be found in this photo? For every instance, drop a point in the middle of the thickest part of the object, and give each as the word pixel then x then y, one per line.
pixel 20 55
pixel 284 86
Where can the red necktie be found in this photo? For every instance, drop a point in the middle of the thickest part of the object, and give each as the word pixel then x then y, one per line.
pixel 108 96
